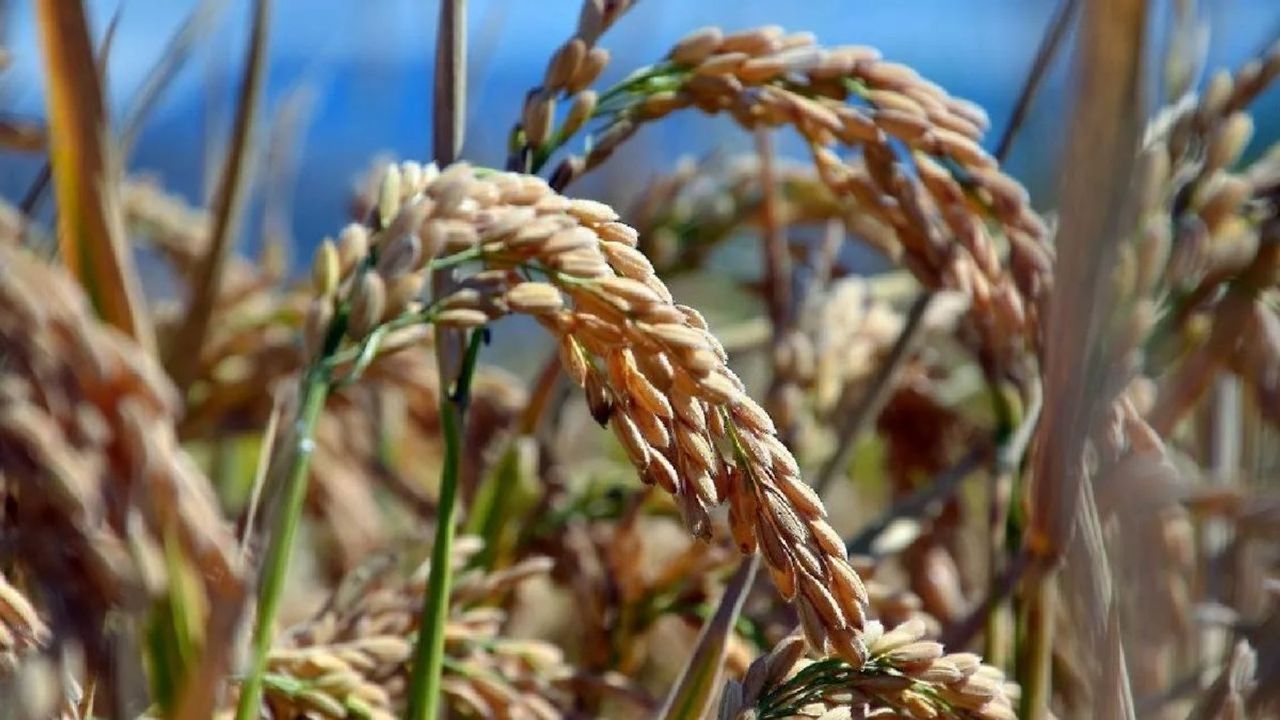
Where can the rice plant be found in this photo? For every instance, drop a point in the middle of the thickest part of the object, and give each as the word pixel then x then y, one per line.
pixel 1019 466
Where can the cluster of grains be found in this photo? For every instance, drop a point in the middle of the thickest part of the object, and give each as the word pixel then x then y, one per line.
pixel 572 70
pixel 21 628
pixel 925 437
pixel 904 676
pixel 921 174
pixel 852 331
pixel 894 605
pixel 352 660
pixel 99 492
pixel 1197 219
pixel 682 216
pixel 1194 285
pixel 177 231
pixel 253 346
pixel 1204 227
pixel 651 370
pixel 628 575
pixel 1140 496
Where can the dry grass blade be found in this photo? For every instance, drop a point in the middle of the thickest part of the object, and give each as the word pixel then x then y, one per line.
pixel 1101 148
pixel 174 57
pixel 183 355
pixel 86 172
pixel 692 694
pixel 1048 49
pixel 1102 143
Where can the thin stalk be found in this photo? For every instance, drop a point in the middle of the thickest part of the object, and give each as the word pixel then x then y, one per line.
pixel 868 406
pixel 449 85
pixel 1035 664
pixel 182 357
pixel 428 653
pixel 692 695
pixel 1048 49
pixel 314 391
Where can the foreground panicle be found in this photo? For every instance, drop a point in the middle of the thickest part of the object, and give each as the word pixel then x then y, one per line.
pixel 87 447
pixel 905 675
pixel 651 370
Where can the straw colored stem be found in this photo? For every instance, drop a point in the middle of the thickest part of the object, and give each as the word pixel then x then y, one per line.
pixel 1104 136
pixel 183 357
pixel 777 262
pixel 450 88
pixel 85 173
pixel 1034 668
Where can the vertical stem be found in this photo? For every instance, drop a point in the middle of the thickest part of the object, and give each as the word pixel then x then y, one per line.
pixel 997 639
pixel 1034 666
pixel 428 653
pixel 1104 134
pixel 448 118
pixel 315 388
pixel 450 84
pixel 777 260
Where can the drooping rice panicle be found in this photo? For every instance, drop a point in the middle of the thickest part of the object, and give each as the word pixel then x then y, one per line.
pixel 651 370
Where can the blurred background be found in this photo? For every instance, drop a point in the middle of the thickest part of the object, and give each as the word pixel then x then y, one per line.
pixel 350 81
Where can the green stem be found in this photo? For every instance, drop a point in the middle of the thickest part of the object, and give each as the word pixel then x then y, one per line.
pixel 315 388
pixel 428 654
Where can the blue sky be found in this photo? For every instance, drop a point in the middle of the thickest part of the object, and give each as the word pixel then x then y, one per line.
pixel 366 68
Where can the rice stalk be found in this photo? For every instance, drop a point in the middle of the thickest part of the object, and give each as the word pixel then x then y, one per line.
pixel 449 114
pixel 1102 144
